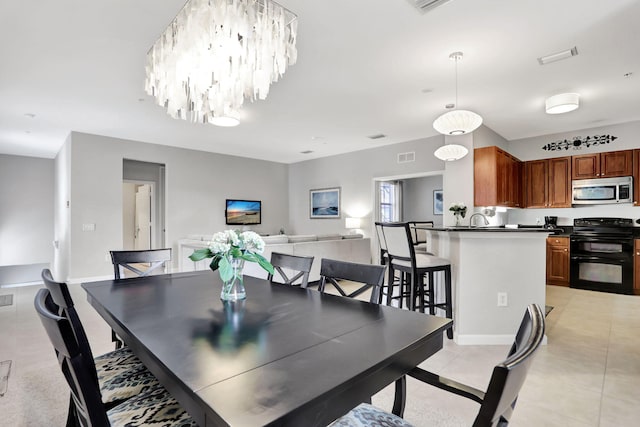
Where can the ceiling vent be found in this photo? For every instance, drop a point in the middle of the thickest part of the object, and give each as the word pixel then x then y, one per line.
pixel 407 157
pixel 306 152
pixel 426 5
pixel 377 136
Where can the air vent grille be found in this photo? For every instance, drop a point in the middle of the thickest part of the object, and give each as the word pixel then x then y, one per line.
pixel 407 157
pixel 306 152
pixel 426 5
pixel 377 136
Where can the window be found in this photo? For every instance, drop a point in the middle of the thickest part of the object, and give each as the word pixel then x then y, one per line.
pixel 389 196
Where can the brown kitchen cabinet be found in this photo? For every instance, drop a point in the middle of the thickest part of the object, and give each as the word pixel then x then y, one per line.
pixel 558 260
pixel 603 165
pixel 636 267
pixel 547 183
pixel 497 178
pixel 636 177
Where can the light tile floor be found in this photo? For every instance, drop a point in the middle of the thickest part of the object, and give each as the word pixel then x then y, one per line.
pixel 587 375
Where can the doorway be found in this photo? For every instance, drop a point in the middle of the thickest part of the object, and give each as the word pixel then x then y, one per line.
pixel 143 219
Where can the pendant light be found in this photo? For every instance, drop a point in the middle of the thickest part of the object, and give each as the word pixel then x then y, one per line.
pixel 456 122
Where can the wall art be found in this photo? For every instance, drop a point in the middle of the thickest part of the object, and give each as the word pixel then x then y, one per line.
pixel 578 143
pixel 324 203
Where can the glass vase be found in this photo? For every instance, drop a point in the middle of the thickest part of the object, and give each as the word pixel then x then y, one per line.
pixel 457 215
pixel 233 289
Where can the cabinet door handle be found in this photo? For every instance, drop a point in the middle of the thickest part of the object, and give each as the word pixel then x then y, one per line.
pixel 638 253
pixel 565 250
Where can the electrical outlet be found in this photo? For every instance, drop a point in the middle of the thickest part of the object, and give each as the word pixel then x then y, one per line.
pixel 502 299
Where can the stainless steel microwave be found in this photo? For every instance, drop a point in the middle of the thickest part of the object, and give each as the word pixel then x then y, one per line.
pixel 602 191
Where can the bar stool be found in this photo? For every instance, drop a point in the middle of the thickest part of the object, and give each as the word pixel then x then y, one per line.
pixel 414 268
pixel 387 289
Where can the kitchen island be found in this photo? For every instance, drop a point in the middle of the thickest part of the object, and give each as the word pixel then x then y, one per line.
pixel 491 267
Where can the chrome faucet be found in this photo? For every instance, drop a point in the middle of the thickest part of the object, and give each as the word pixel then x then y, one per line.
pixel 486 221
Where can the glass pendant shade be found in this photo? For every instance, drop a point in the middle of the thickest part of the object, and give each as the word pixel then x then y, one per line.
pixel 457 122
pixel 562 103
pixel 451 152
pixel 217 53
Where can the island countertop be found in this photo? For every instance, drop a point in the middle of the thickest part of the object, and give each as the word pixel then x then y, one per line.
pixel 496 229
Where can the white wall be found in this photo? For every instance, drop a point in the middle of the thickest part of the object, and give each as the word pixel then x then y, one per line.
pixel 417 197
pixel 62 215
pixel 197 185
pixel 354 173
pixel 26 210
pixel 628 135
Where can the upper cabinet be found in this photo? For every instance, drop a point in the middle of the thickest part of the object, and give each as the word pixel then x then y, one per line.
pixel 497 178
pixel 547 183
pixel 603 165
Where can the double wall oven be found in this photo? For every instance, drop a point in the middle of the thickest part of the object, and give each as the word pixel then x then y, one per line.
pixel 602 254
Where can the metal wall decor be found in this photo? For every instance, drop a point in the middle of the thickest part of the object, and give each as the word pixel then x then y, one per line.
pixel 578 143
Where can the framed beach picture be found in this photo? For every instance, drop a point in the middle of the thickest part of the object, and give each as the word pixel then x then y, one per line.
pixel 437 202
pixel 324 203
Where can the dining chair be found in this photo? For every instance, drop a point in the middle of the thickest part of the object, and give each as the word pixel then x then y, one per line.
pixel 155 406
pixel 132 260
pixel 284 264
pixel 120 374
pixel 370 276
pixel 416 267
pixel 496 403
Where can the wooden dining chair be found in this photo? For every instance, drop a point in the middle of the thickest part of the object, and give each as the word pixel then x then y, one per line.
pixel 371 276
pixel 496 403
pixel 286 264
pixel 120 374
pixel 131 260
pixel 153 407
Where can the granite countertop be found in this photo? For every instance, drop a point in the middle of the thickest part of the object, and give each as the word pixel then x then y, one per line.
pixel 502 229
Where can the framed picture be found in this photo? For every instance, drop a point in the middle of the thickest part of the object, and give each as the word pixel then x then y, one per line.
pixel 437 202
pixel 324 203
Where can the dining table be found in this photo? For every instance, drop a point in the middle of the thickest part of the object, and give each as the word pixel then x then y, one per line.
pixel 284 356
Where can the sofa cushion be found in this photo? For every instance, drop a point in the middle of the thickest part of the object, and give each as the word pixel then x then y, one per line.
pixel 275 239
pixel 303 238
pixel 322 237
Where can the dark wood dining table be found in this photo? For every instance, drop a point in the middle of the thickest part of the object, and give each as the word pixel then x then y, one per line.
pixel 284 356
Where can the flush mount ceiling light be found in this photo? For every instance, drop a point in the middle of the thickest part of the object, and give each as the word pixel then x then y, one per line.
pixel 558 56
pixel 451 152
pixel 216 53
pixel 562 103
pixel 457 122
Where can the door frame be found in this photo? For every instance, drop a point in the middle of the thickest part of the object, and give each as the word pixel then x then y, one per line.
pixel 154 215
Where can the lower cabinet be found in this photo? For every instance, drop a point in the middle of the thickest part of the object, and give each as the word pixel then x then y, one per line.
pixel 636 267
pixel 558 260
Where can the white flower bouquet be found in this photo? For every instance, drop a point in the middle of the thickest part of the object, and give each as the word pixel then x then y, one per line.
pixel 458 209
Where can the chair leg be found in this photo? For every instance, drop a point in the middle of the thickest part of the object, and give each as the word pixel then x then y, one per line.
pixel 448 302
pixel 116 339
pixel 432 294
pixel 390 284
pixel 400 397
pixel 72 420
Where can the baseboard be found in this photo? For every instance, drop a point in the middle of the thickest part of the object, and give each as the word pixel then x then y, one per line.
pixel 487 339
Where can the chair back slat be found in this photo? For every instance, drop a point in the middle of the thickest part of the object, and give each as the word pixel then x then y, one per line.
pixel 370 275
pixel 156 258
pixel 85 391
pixel 509 376
pixel 291 268
pixel 419 235
pixel 380 235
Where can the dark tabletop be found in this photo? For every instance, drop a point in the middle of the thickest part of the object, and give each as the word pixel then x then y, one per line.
pixel 284 356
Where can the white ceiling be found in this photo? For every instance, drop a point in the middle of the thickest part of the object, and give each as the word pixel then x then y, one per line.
pixel 364 67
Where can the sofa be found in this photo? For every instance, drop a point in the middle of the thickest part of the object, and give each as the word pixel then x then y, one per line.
pixel 344 247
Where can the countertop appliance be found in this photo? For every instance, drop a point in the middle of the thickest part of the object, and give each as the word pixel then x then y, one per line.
pixel 551 222
pixel 602 254
pixel 602 191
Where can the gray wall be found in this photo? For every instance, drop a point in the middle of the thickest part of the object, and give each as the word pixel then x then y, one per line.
pixel 354 173
pixel 197 185
pixel 417 198
pixel 531 149
pixel 26 210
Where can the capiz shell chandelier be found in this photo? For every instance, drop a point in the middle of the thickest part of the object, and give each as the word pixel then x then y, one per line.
pixel 216 53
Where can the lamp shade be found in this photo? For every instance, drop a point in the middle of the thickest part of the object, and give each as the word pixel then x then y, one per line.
pixel 352 222
pixel 451 152
pixel 562 103
pixel 457 122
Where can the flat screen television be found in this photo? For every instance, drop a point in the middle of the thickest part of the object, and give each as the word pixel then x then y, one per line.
pixel 243 212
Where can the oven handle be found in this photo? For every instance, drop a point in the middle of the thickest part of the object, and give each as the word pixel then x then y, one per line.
pixel 597 258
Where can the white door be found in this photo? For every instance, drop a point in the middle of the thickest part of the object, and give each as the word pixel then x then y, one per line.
pixel 142 237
